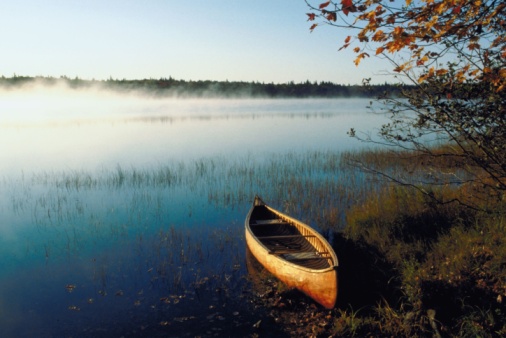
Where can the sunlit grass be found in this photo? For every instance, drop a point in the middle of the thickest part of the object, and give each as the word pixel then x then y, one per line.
pixel 436 267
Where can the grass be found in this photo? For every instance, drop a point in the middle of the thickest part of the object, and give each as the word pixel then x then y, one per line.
pixel 408 266
pixel 419 268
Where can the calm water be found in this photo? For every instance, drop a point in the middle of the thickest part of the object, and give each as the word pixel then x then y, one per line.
pixel 123 215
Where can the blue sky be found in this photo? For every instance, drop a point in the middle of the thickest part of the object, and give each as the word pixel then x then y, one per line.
pixel 235 40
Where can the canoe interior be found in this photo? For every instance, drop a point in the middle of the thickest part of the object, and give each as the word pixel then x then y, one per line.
pixel 288 240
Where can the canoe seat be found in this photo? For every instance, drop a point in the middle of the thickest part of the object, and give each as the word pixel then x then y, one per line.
pixel 278 244
pixel 299 254
pixel 268 221
pixel 302 256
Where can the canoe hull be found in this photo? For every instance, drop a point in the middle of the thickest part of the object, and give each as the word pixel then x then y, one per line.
pixel 319 284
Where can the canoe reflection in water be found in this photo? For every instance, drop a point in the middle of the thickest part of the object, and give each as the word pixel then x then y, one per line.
pixel 293 252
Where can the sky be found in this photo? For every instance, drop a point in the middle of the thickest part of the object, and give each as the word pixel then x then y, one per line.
pixel 235 40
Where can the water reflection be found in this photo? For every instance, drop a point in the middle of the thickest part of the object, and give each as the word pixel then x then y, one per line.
pixel 126 218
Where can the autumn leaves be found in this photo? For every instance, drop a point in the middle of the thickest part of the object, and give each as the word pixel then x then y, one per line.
pixel 473 32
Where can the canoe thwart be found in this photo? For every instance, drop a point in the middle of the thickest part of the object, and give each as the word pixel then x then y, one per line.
pixel 283 251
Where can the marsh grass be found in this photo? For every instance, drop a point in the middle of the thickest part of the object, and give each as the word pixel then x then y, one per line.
pixel 315 186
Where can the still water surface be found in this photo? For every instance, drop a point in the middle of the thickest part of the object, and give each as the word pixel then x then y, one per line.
pixel 123 215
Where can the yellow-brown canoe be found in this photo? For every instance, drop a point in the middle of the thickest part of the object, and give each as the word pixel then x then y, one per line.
pixel 293 252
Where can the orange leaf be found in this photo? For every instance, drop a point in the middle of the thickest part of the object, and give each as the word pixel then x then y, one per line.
pixel 356 49
pixel 378 36
pixel 360 57
pixel 473 46
pixel 422 61
pixel 348 38
pixel 398 30
pixel 344 46
pixel 391 19
pixel 311 16
pixel 380 50
pixel 325 4
pixel 399 69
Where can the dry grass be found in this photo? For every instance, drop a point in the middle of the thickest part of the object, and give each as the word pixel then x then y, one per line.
pixel 437 269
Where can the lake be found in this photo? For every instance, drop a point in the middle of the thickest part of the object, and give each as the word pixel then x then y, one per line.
pixel 122 215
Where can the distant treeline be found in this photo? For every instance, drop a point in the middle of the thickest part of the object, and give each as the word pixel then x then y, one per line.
pixel 230 89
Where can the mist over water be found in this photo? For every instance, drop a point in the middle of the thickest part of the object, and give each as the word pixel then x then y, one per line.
pixel 60 128
pixel 124 212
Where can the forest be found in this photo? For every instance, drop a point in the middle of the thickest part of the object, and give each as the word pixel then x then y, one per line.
pixel 207 88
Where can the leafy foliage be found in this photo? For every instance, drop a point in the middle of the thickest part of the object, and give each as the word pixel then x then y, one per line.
pixel 427 30
pixel 454 53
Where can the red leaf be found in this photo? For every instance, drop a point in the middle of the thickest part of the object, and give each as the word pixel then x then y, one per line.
pixel 313 27
pixel 347 3
pixel 348 6
pixel 325 4
pixel 311 16
pixel 456 10
pixel 348 38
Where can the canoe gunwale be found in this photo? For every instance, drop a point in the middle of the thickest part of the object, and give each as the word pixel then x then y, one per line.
pixel 319 280
pixel 291 220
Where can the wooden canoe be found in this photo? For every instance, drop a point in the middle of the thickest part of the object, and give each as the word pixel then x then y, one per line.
pixel 293 252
